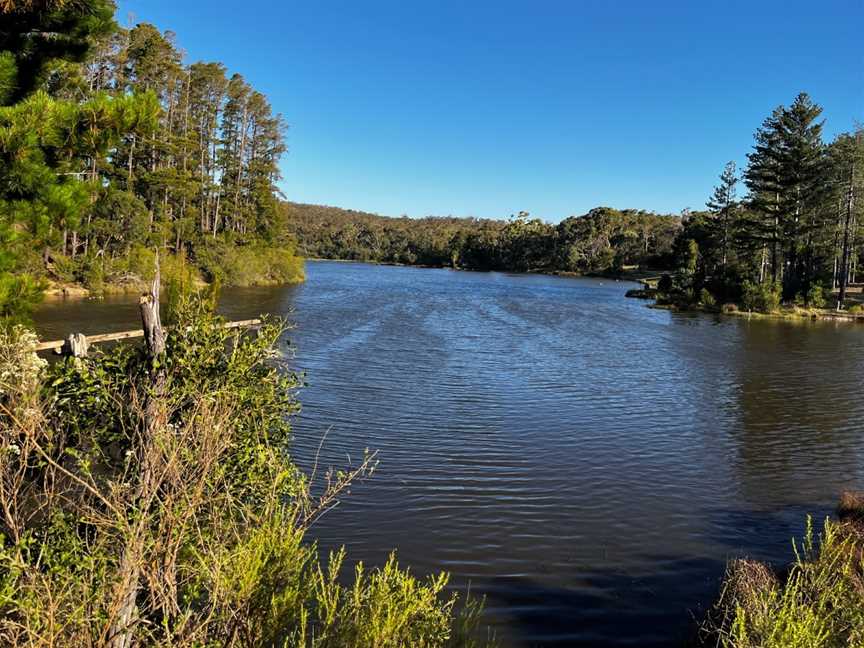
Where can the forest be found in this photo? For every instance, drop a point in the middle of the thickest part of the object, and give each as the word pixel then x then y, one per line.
pixel 111 147
pixel 603 240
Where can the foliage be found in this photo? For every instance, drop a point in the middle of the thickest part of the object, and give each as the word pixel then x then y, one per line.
pixel 665 284
pixel 109 144
pixel 763 298
pixel 706 299
pixel 250 265
pixel 186 489
pixel 797 227
pixel 820 604
pixel 598 242
pixel 816 296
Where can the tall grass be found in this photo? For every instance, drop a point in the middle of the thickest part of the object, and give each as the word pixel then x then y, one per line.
pixel 819 604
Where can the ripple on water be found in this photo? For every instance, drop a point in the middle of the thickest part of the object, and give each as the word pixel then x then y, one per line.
pixel 584 462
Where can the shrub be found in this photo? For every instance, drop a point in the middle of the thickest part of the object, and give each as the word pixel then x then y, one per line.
pixel 761 297
pixel 707 299
pixel 820 603
pixel 171 479
pixel 19 295
pixel 249 265
pixel 665 284
pixel 140 262
pixel 816 296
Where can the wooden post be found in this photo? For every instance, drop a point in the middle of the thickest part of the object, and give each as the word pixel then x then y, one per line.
pixel 133 553
pixel 76 345
pixel 148 304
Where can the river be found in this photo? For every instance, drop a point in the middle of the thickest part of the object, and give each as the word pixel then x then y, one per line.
pixel 586 463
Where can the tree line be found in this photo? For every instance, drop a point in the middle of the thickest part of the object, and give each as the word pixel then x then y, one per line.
pixel 111 146
pixel 603 240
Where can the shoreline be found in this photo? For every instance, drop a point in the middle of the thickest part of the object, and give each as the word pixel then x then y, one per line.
pixel 793 314
pixel 76 292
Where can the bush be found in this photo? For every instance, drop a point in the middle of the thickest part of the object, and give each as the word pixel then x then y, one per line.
pixel 19 295
pixel 170 481
pixel 706 299
pixel 665 284
pixel 249 265
pixel 763 298
pixel 820 603
pixel 816 297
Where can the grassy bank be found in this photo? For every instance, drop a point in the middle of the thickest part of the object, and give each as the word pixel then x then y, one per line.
pixel 817 602
pixel 795 313
pixel 133 272
pixel 762 303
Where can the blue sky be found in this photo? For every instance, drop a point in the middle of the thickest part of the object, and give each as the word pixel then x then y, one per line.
pixel 487 107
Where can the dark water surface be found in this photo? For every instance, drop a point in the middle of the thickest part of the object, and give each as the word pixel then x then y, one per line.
pixel 587 463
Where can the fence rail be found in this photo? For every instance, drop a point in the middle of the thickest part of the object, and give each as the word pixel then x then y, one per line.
pixel 59 345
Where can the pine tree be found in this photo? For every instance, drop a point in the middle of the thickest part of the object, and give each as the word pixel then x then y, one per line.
pixel 785 175
pixel 723 205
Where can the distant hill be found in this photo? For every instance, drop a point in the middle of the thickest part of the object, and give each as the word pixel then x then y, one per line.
pixel 600 241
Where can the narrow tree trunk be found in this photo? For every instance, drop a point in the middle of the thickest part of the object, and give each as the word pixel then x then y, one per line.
pixel 844 266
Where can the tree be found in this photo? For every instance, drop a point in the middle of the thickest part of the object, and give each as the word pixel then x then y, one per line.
pixel 37 34
pixel 723 205
pixel 785 177
pixel 846 159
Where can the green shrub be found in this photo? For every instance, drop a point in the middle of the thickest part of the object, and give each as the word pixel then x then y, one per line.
pixel 19 295
pixel 249 265
pixel 706 299
pixel 761 297
pixel 816 297
pixel 820 603
pixel 141 261
pixel 175 476
pixel 93 275
pixel 665 284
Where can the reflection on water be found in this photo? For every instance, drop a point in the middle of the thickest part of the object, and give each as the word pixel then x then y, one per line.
pixel 585 462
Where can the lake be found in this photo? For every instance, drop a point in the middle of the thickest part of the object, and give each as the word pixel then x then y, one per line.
pixel 585 462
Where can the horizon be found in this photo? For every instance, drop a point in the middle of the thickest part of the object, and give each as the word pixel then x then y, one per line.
pixel 397 110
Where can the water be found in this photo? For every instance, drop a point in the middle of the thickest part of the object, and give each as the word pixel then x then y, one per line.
pixel 586 463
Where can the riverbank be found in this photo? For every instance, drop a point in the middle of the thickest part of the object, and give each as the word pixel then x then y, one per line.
pixel 786 313
pixel 266 266
pixel 74 291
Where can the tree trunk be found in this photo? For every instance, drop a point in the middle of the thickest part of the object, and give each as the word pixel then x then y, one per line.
pixel 847 226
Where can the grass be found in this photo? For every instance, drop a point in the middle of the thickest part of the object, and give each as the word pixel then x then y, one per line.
pixel 817 603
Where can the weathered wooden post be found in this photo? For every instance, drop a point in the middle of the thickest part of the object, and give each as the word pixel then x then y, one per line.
pixel 133 553
pixel 76 345
pixel 154 335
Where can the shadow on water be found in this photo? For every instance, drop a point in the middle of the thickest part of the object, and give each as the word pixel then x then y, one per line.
pixel 664 606
pixel 608 609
